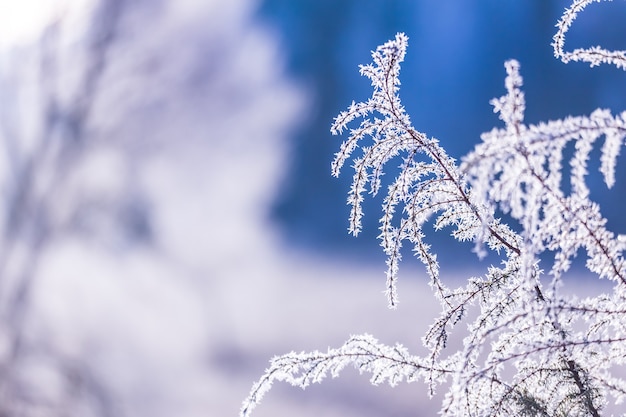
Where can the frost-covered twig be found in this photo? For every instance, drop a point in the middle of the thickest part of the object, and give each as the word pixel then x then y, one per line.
pixel 391 364
pixel 529 349
pixel 595 55
pixel 429 182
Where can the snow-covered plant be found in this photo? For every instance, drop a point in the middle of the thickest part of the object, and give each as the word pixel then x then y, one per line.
pixel 529 348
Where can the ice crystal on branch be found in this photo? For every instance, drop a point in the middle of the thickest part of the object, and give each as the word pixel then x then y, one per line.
pixel 595 55
pixel 429 182
pixel 385 364
pixel 528 348
pixel 520 169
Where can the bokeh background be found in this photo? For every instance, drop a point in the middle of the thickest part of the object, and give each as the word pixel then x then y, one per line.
pixel 168 221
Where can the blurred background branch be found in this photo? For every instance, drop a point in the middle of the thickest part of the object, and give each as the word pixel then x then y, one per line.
pixel 116 119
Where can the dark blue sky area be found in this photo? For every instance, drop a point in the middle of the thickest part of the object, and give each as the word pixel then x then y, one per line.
pixel 453 68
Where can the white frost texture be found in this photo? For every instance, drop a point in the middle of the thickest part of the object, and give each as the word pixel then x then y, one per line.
pixel 529 346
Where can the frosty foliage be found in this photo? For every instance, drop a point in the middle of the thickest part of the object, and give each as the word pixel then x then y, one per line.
pixel 595 55
pixel 529 349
